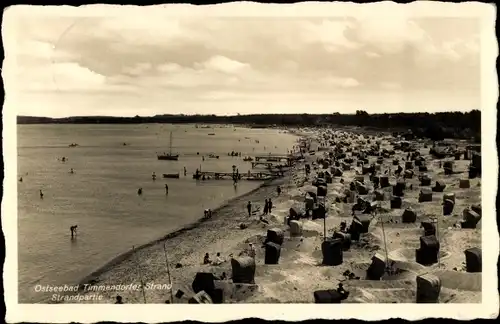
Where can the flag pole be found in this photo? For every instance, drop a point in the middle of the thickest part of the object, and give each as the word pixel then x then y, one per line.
pixel 168 272
pixel 385 241
pixel 140 274
pixel 437 237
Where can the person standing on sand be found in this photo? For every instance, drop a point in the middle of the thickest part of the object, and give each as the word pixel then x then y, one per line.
pixel 266 207
pixel 270 206
pixel 166 189
pixel 251 251
pixel 279 190
pixel 249 208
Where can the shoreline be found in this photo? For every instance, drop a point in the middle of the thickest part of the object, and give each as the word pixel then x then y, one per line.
pixel 186 228
pixel 289 281
pixel 181 244
pixel 218 212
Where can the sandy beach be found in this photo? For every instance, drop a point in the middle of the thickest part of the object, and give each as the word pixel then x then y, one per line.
pixel 300 272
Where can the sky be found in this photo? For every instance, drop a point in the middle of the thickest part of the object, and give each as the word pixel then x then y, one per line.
pixel 149 61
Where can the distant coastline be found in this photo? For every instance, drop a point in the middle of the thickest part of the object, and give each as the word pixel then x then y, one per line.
pixel 436 126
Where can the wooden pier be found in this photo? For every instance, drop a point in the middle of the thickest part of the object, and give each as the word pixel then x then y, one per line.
pixel 288 159
pixel 248 176
pixel 269 165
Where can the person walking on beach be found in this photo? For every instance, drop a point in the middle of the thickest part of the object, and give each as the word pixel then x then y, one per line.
pixel 279 190
pixel 166 189
pixel 249 208
pixel 269 206
pixel 266 207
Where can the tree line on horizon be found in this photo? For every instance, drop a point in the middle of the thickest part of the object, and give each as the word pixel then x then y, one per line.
pixel 436 126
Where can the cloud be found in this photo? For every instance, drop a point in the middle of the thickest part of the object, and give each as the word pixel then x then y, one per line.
pixel 223 64
pixel 222 59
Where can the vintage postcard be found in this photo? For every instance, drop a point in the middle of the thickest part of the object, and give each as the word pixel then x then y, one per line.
pixel 266 157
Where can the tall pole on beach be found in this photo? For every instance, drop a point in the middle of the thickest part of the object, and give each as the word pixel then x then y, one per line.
pixel 324 224
pixel 140 274
pixel 385 242
pixel 437 237
pixel 168 272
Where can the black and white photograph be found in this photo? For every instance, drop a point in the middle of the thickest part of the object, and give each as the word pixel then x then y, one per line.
pixel 250 154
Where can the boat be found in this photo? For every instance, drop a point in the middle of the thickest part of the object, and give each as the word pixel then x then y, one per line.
pixel 169 156
pixel 171 175
pixel 211 134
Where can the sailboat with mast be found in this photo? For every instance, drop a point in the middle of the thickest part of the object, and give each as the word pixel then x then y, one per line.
pixel 169 156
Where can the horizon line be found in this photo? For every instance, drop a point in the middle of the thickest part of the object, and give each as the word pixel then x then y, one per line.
pixel 247 114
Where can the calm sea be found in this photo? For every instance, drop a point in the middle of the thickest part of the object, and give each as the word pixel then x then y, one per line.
pixel 101 195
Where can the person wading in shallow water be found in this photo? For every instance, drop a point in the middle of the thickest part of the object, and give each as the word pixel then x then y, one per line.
pixel 139 192
pixel 41 194
pixel 73 230
pixel 166 189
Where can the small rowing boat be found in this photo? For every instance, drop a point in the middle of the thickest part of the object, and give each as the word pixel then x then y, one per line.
pixel 171 175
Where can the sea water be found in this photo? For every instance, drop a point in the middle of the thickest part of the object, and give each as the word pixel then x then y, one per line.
pixel 101 195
